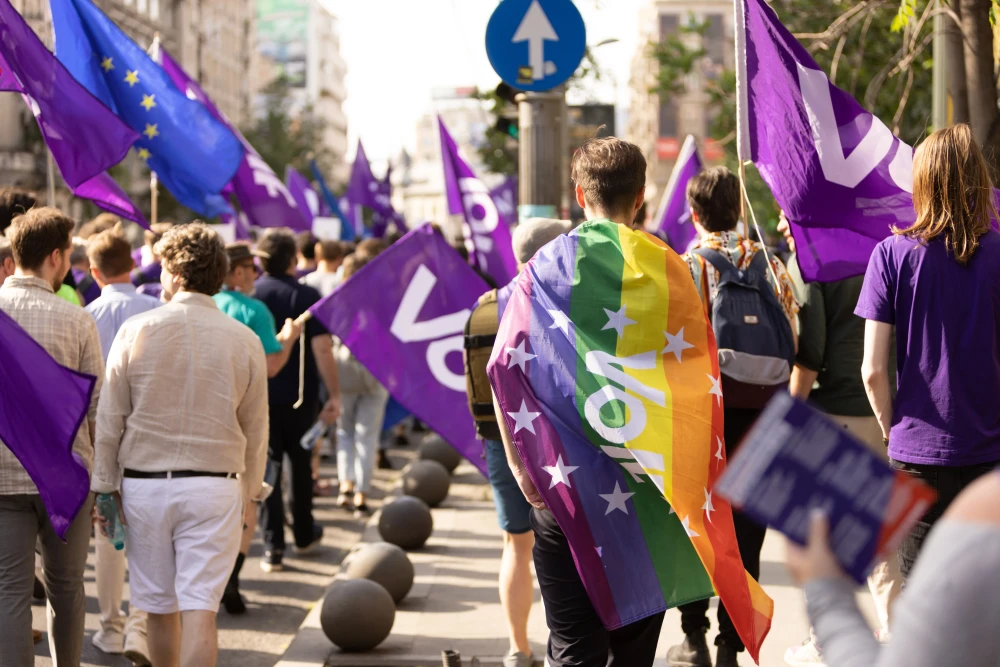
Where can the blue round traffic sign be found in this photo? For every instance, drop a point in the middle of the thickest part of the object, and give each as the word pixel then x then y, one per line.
pixel 536 45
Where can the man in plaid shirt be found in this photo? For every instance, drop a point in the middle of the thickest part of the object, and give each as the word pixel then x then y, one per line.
pixel 41 242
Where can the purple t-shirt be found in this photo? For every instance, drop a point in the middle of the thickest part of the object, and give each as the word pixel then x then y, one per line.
pixel 947 317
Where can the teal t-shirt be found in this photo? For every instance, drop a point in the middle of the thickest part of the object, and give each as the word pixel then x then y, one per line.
pixel 252 313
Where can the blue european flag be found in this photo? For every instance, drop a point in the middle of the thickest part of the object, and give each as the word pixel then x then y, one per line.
pixel 194 155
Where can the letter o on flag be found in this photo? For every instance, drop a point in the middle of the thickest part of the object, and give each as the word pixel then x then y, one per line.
pixel 619 435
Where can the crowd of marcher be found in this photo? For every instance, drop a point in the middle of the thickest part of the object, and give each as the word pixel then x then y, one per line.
pixel 211 375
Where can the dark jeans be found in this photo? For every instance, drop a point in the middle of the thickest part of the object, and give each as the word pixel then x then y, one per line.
pixel 749 537
pixel 288 425
pixel 948 482
pixel 576 635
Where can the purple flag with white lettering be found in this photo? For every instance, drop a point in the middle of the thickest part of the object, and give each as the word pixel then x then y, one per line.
pixel 836 170
pixel 411 337
pixel 42 406
pixel 85 137
pixel 302 191
pixel 262 196
pixel 486 234
pixel 675 220
pixel 362 191
pixel 505 198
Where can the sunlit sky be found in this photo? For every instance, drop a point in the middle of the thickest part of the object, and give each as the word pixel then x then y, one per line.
pixel 397 51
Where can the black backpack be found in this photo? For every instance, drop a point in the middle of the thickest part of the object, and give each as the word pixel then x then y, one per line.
pixel 755 340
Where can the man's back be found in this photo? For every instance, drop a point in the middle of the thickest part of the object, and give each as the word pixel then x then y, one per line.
pixel 70 336
pixel 116 304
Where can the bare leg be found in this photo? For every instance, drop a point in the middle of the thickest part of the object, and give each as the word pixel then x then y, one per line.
pixel 517 589
pixel 200 640
pixel 164 639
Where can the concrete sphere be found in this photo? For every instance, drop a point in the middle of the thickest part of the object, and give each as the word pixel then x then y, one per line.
pixel 385 564
pixel 427 480
pixel 406 522
pixel 434 448
pixel 357 614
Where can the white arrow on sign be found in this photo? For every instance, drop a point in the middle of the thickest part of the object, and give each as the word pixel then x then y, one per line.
pixel 535 29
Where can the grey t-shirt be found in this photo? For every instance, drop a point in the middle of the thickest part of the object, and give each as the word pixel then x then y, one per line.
pixel 948 614
pixel 324 283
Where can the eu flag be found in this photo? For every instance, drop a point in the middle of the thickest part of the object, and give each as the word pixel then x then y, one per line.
pixel 192 153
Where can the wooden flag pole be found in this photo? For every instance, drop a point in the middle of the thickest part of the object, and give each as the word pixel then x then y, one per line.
pixel 153 197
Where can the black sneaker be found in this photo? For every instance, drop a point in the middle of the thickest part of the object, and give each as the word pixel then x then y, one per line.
pixel 692 653
pixel 271 561
pixel 312 546
pixel 383 461
pixel 726 656
pixel 233 601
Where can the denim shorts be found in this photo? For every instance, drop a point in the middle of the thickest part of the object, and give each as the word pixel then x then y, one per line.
pixel 512 508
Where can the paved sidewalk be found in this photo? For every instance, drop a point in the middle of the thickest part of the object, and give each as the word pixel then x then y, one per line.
pixel 454 602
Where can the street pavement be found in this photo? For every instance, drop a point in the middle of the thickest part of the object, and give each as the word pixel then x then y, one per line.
pixel 277 602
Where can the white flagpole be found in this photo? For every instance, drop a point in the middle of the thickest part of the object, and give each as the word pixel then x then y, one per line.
pixel 50 177
pixel 154 182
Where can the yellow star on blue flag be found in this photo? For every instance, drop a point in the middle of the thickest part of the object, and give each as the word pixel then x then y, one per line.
pixel 194 154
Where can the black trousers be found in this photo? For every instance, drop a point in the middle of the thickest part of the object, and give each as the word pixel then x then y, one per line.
pixel 288 425
pixel 948 482
pixel 577 638
pixel 749 538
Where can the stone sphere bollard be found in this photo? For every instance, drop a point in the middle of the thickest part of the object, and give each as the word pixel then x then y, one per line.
pixel 427 480
pixel 406 522
pixel 357 614
pixel 435 448
pixel 385 564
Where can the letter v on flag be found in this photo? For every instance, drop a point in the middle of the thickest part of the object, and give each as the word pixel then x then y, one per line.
pixel 841 177
pixel 411 337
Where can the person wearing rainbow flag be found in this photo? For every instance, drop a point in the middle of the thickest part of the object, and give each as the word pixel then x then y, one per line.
pixel 605 375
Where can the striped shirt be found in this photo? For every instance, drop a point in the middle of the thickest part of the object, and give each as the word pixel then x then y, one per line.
pixel 67 333
pixel 740 251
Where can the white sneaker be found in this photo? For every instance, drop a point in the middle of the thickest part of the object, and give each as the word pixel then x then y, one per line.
pixel 136 650
pixel 806 655
pixel 109 640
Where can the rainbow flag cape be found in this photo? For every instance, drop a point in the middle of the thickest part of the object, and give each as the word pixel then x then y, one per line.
pixel 606 369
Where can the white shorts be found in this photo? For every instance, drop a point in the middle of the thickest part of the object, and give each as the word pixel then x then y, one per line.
pixel 182 537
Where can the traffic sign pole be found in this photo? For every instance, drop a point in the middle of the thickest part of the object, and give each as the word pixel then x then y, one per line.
pixel 542 145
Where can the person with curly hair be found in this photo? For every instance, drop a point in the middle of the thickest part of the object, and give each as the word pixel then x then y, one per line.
pixel 191 384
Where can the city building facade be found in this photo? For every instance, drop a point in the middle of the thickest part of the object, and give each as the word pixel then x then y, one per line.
pixel 659 124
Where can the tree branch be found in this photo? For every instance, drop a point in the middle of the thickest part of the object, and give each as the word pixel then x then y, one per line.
pixel 861 52
pixel 836 58
pixel 896 119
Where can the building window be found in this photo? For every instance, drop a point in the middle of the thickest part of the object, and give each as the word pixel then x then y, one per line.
pixel 668 119
pixel 141 6
pixel 154 9
pixel 669 24
pixel 715 39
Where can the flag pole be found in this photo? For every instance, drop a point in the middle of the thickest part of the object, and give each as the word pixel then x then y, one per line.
pixel 154 182
pixel 50 178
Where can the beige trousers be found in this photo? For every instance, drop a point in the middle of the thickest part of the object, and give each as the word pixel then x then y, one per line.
pixel 885 582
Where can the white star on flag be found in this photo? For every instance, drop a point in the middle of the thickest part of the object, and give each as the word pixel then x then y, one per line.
pixel 519 357
pixel 617 321
pixel 676 344
pixel 718 453
pixel 523 419
pixel 560 472
pixel 687 528
pixel 716 389
pixel 600 551
pixel 560 321
pixel 616 499
pixel 708 506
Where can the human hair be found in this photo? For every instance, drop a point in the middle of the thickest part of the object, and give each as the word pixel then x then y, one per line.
pixel 155 232
pixel 196 255
pixel 110 253
pixel 277 251
pixel 952 192
pixel 370 248
pixel 329 251
pixel 353 264
pixel 714 196
pixel 79 252
pixel 5 249
pixel 37 234
pixel 305 244
pixel 101 223
pixel 612 174
pixel 14 202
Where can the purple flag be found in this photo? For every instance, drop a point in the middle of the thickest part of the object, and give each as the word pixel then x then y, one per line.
pixel 239 223
pixel 305 196
pixel 411 336
pixel 835 169
pixel 85 137
pixel 106 193
pixel 261 194
pixel 505 198
pixel 42 406
pixel 362 191
pixel 487 235
pixel 675 218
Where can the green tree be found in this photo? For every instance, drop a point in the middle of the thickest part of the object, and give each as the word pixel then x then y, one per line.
pixel 284 137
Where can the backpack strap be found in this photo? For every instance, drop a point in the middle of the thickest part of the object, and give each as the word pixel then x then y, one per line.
pixel 720 262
